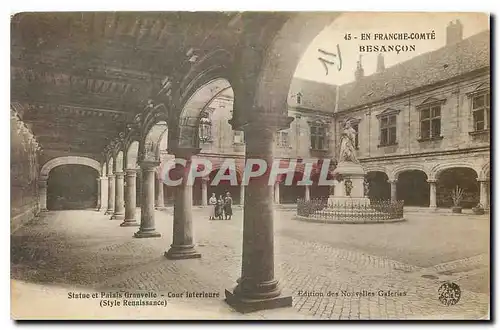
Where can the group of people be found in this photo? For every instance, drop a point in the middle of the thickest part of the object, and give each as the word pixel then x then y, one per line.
pixel 222 207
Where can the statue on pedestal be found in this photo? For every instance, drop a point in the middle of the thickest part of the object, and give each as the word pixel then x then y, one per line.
pixel 347 144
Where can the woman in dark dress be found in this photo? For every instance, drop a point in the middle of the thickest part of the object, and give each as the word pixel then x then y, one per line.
pixel 228 206
pixel 219 208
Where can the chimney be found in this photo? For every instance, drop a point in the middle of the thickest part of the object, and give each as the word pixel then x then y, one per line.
pixel 359 73
pixel 380 63
pixel 454 32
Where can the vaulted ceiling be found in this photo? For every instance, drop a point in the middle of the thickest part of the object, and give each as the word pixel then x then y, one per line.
pixel 78 78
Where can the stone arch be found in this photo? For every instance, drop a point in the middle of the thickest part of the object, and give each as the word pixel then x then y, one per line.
pixel 68 160
pixel 152 141
pixel 191 111
pixel 484 174
pixel 437 169
pixel 282 57
pixel 378 168
pixel 132 155
pixel 119 161
pixel 394 174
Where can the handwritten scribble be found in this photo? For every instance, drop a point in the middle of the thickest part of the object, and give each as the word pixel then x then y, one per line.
pixel 337 59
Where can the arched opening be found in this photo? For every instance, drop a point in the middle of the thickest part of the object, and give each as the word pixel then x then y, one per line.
pixel 72 187
pixel 379 187
pixel 318 191
pixel 289 194
pixel 463 177
pixel 413 188
pixel 221 188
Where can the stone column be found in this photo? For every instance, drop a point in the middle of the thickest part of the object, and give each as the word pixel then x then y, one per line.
pixel 204 191
pixel 102 193
pixel 242 194
pixel 119 212
pixel 147 228
pixel 432 194
pixel 42 193
pixel 111 194
pixel 484 193
pixel 130 198
pixel 257 287
pixel 276 193
pixel 393 189
pixel 98 206
pixel 308 193
pixel 182 246
pixel 160 197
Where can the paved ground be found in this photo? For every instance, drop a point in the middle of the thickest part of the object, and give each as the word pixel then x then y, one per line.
pixel 331 270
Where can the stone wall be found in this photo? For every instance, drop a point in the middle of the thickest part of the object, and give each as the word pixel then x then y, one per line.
pixel 24 171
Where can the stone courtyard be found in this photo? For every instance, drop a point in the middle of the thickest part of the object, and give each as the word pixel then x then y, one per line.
pixel 83 251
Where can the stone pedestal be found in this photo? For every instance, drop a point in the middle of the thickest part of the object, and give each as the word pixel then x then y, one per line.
pixel 130 198
pixel 111 194
pixel 257 287
pixel 182 246
pixel 119 212
pixel 346 194
pixel 147 228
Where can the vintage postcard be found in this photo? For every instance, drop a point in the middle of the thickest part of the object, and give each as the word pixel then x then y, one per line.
pixel 250 165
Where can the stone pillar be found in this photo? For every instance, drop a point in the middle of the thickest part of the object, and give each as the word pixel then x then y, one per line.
pixel 204 191
pixel 147 227
pixel 102 193
pixel 393 189
pixel 276 193
pixel 119 212
pixel 160 197
pixel 432 194
pixel 130 198
pixel 111 194
pixel 182 246
pixel 42 193
pixel 308 193
pixel 484 194
pixel 257 287
pixel 242 194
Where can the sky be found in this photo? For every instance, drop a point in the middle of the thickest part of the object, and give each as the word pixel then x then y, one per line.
pixel 355 23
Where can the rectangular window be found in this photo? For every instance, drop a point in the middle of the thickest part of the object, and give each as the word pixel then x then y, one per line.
pixel 318 137
pixel 283 139
pixel 430 122
pixel 239 137
pixel 481 112
pixel 388 130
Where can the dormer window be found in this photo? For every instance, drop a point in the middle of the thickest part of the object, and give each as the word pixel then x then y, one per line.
pixel 299 98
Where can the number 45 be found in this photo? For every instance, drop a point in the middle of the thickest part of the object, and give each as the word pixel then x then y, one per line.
pixel 347 36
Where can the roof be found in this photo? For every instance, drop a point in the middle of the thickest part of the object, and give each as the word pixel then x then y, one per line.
pixel 442 64
pixel 315 95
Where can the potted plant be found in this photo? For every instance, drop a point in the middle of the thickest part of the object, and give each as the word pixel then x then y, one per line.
pixel 478 209
pixel 457 195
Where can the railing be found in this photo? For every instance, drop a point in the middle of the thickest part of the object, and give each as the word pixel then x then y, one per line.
pixel 379 210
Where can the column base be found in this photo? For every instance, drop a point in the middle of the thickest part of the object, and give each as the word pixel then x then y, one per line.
pixel 147 234
pixel 160 208
pixel 117 217
pixel 44 210
pixel 108 212
pixel 246 305
pixel 177 252
pixel 129 223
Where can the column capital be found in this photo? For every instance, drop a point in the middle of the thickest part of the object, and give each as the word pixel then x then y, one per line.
pixel 432 181
pixel 42 183
pixel 119 174
pixel 393 181
pixel 131 171
pixel 149 165
pixel 483 179
pixel 111 175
